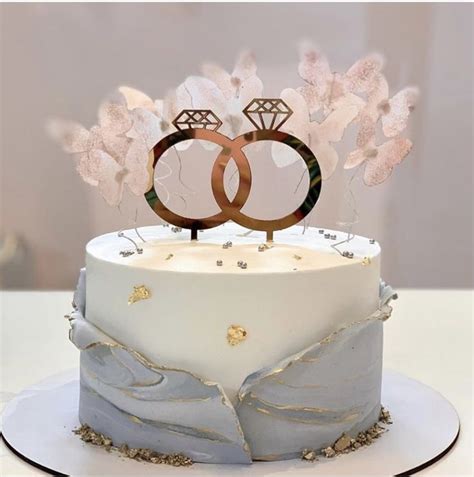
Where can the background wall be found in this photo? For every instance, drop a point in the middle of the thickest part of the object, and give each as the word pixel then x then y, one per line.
pixel 62 59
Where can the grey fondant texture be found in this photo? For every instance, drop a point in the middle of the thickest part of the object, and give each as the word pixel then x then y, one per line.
pixel 312 397
pixel 138 403
pixel 305 401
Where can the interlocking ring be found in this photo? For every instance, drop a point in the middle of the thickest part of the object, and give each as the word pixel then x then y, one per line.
pixel 232 149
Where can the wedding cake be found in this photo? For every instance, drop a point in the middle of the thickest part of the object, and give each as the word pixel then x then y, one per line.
pixel 240 339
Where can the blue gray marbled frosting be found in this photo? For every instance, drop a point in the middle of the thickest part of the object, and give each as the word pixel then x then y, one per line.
pixel 307 400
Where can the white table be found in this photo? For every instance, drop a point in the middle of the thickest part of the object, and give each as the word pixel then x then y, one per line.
pixel 429 337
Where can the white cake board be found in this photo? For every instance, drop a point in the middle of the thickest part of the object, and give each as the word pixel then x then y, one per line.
pixel 37 426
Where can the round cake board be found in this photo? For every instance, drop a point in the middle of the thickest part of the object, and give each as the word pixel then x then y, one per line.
pixel 38 423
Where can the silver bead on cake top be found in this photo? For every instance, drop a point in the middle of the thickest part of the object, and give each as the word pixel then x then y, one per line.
pixel 219 263
pixel 126 253
pixel 241 264
pixel 176 229
pixel 372 241
pixel 227 244
pixel 326 236
pixel 348 254
pixel 321 231
pixel 333 237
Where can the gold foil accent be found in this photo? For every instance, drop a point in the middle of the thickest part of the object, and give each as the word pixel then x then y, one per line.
pixel 345 443
pixel 366 261
pixel 169 257
pixel 297 257
pixel 139 293
pixel 87 434
pixel 236 334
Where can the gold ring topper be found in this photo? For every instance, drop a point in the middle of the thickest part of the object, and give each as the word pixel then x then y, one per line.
pixel 267 115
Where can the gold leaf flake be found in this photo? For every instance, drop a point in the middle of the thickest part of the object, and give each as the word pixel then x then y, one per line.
pixel 297 257
pixel 342 443
pixel 366 261
pixel 88 435
pixel 139 293
pixel 236 334
pixel 170 256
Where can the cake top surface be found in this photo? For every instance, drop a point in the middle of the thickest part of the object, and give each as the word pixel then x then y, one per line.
pixel 172 251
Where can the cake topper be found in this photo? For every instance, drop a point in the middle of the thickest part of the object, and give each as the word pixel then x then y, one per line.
pixel 310 119
pixel 267 115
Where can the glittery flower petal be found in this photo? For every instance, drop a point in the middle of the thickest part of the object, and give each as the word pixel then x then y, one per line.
pixel 354 159
pixel 205 95
pixel 250 89
pixel 311 96
pixel 220 77
pixel 245 66
pixel 399 108
pixel 146 126
pixel 72 136
pixel 327 158
pixel 116 146
pixel 137 176
pixel 366 134
pixel 113 115
pixel 360 76
pixel 389 154
pixel 137 99
pixel 115 122
pixel 88 168
pixel 333 127
pixel 349 99
pixel 376 96
pixel 314 68
pixel 297 125
pixel 110 176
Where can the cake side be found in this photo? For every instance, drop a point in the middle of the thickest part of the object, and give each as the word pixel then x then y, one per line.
pixel 323 391
pixel 289 296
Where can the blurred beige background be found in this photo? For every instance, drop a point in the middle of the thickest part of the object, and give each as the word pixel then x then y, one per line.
pixel 62 59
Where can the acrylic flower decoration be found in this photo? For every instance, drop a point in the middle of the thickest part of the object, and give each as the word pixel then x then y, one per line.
pixel 360 95
pixel 380 159
pixel 115 152
pixel 318 136
pixel 238 89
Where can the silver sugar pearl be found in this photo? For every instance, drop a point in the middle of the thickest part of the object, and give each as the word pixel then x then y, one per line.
pixel 333 237
pixel 372 241
pixel 219 263
pixel 321 231
pixel 243 266
pixel 326 236
pixel 227 244
pixel 126 253
pixel 240 263
pixel 261 248
pixel 139 251
pixel 176 229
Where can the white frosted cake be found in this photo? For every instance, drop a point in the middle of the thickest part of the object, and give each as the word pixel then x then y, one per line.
pixel 225 343
pixel 186 351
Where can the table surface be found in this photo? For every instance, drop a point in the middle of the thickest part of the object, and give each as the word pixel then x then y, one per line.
pixel 429 337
